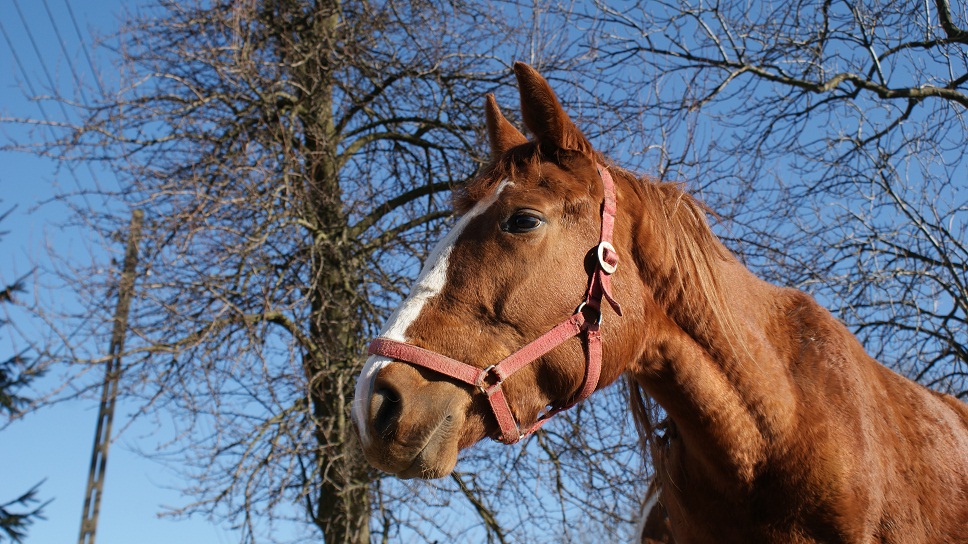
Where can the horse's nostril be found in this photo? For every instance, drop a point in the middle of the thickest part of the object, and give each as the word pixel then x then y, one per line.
pixel 385 407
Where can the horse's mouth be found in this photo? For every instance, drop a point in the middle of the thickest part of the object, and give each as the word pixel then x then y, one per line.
pixel 434 459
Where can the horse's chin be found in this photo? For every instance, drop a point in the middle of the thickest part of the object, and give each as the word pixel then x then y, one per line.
pixel 427 466
pixel 433 458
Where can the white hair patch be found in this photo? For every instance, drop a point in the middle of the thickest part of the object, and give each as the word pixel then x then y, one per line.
pixel 429 283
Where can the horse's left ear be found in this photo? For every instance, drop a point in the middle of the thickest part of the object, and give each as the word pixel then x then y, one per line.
pixel 500 132
pixel 544 115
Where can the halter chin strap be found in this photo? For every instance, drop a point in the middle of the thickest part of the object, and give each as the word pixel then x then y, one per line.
pixel 490 379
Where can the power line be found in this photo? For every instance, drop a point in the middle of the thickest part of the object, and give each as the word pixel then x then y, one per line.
pixel 40 57
pixel 63 46
pixel 23 71
pixel 84 48
pixel 53 88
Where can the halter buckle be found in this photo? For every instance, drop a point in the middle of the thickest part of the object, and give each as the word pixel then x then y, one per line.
pixel 483 387
pixel 606 266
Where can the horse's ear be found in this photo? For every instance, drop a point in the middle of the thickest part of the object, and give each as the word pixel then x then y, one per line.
pixel 544 115
pixel 500 132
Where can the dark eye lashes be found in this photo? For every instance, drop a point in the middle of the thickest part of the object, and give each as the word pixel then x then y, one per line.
pixel 522 222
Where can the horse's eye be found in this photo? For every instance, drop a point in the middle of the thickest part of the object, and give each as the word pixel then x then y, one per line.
pixel 521 222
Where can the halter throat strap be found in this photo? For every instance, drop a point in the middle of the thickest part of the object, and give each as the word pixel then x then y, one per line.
pixel 489 380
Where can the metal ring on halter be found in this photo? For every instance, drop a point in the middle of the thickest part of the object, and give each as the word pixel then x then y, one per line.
pixel 482 376
pixel 607 267
pixel 598 320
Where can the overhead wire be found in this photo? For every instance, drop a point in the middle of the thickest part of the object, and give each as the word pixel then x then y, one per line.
pixel 63 47
pixel 40 57
pixel 54 89
pixel 84 47
pixel 26 79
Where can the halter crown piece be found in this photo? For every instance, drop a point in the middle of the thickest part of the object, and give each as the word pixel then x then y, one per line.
pixel 488 381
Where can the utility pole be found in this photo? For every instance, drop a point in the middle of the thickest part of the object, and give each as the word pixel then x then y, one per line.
pixel 102 436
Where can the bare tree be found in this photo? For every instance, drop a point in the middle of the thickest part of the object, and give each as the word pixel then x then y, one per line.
pixel 293 160
pixel 831 136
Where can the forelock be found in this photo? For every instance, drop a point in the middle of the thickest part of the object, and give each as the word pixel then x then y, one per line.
pixel 523 165
pixel 511 166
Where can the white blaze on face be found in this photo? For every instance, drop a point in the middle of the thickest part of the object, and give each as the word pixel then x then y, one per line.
pixel 430 282
pixel 651 501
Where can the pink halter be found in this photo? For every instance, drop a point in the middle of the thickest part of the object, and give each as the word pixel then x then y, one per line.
pixel 489 380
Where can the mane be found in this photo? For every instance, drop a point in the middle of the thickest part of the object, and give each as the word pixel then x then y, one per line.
pixel 691 254
pixel 686 254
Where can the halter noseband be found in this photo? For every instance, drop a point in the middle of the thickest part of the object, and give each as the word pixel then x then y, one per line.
pixel 489 380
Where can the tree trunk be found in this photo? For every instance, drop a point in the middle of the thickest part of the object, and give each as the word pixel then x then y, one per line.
pixel 307 40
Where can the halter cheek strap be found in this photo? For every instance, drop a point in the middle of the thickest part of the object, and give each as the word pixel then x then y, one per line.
pixel 489 380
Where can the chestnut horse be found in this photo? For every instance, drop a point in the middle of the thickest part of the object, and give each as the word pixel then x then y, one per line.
pixel 780 427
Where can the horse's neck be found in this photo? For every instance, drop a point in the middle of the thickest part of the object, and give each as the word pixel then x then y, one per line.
pixel 774 404
pixel 718 358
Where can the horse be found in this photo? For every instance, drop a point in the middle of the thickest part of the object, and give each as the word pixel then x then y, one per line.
pixel 566 272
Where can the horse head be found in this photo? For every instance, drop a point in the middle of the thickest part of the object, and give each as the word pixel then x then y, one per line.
pixel 529 264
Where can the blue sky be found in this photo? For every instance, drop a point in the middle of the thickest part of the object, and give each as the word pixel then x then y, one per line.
pixel 55 444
